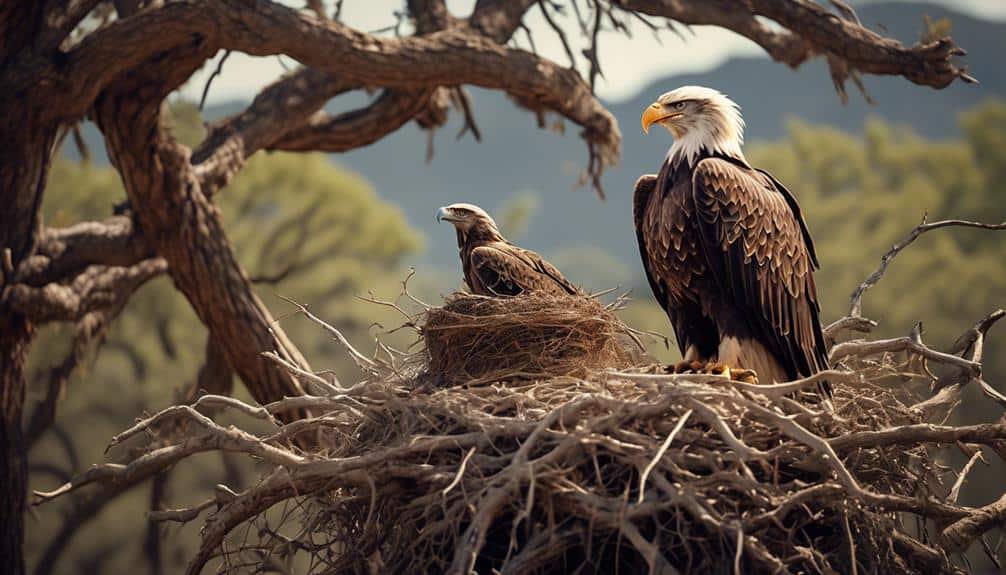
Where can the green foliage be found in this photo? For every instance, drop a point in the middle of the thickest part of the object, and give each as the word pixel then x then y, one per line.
pixel 591 267
pixel 514 215
pixel 186 122
pixel 79 191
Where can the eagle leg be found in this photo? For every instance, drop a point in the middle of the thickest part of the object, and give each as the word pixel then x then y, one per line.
pixel 734 373
pixel 687 366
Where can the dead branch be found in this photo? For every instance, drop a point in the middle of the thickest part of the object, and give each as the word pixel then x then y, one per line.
pixel 847 323
pixel 281 106
pixel 357 128
pixel 988 433
pixel 94 289
pixel 313 379
pixel 955 491
pixel 860 348
pixel 181 515
pixel 63 253
pixel 361 361
pixel 960 534
pixel 89 329
pixel 948 388
pixel 856 303
pixel 449 57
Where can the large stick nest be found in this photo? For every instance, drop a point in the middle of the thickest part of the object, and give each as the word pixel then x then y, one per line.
pixel 549 475
pixel 589 469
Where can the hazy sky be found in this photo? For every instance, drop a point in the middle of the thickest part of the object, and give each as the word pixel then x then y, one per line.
pixel 628 64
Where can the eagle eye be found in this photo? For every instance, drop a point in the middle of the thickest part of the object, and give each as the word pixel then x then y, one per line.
pixel 679 105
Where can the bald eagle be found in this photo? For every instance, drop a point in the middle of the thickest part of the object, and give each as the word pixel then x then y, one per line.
pixel 725 247
pixel 495 267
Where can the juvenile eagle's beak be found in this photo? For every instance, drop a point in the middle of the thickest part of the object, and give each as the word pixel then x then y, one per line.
pixel 654 113
pixel 443 214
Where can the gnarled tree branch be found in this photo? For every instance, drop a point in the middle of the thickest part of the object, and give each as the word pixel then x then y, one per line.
pixel 61 253
pixel 856 300
pixel 98 287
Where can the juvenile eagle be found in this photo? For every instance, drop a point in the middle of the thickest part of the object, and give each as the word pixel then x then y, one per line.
pixel 492 265
pixel 725 247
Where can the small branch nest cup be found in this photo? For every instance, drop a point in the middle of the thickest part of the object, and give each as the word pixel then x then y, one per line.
pixel 475 339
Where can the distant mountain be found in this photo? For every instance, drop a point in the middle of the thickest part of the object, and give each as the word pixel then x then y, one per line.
pixel 515 156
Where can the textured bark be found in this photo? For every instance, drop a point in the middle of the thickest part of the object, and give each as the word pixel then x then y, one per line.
pixel 95 289
pixel 184 228
pixel 26 144
pixel 284 104
pixel 24 162
pixel 15 336
pixel 64 252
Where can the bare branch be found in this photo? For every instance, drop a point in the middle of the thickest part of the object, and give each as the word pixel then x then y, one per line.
pixel 181 515
pixel 848 323
pixel 810 29
pixel 949 387
pixel 362 362
pixel 96 288
pixel 660 453
pixel 988 433
pixel 450 57
pixel 357 128
pixel 925 64
pixel 955 491
pixel 282 106
pixel 499 19
pixel 311 378
pixel 959 535
pixel 64 252
pixel 212 437
pixel 859 348
pixel 856 304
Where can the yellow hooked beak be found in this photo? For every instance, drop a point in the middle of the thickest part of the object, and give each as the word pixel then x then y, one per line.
pixel 655 113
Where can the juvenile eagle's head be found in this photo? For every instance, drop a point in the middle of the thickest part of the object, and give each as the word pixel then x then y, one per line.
pixel 698 118
pixel 470 221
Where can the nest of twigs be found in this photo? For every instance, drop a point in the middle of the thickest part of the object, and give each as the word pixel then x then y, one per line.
pixel 479 339
pixel 628 472
pixel 605 471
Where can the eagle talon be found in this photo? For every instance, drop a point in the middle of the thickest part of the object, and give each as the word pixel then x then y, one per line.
pixel 732 373
pixel 718 369
pixel 681 367
pixel 744 376
pixel 686 367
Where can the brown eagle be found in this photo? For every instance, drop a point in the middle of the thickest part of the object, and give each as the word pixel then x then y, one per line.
pixel 492 265
pixel 725 247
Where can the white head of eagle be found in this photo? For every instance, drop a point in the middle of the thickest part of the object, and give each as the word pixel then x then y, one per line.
pixel 698 118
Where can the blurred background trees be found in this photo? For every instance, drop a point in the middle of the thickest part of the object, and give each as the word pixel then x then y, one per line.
pixel 304 228
pixel 297 221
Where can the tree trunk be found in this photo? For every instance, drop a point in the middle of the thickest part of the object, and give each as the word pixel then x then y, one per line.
pixel 24 165
pixel 15 336
pixel 184 228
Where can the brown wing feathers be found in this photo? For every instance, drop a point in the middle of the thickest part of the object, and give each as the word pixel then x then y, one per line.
pixel 501 268
pixel 757 247
pixel 669 263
